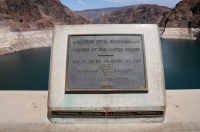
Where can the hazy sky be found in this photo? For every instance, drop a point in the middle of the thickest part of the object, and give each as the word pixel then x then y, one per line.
pixel 94 4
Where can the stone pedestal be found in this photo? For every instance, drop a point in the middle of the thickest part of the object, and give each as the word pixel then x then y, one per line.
pixel 106 108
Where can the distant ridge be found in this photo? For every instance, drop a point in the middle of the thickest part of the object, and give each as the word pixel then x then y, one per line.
pixel 93 14
pixel 186 14
pixel 143 14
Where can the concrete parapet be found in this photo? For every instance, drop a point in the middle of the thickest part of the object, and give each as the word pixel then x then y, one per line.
pixel 27 111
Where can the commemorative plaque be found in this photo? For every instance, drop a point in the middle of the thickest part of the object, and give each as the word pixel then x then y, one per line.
pixel 106 74
pixel 106 63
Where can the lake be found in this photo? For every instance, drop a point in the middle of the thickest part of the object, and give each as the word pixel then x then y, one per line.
pixel 29 69
pixel 181 60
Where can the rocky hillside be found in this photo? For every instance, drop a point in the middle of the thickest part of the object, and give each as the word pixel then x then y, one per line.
pixel 186 14
pixel 144 14
pixel 93 14
pixel 195 22
pixel 28 15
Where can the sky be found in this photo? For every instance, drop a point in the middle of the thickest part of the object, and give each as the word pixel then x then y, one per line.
pixel 77 5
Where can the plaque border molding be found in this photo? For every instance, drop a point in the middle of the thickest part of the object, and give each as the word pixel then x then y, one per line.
pixel 104 91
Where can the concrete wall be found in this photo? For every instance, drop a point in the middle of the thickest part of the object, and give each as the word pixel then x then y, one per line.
pixel 27 111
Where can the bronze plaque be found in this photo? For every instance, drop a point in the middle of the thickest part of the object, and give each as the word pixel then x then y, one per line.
pixel 106 63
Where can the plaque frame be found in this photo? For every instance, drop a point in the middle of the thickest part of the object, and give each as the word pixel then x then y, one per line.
pixel 106 113
pixel 104 91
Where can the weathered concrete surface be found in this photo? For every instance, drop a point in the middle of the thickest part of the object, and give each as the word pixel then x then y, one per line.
pixel 16 41
pixel 154 100
pixel 180 33
pixel 27 111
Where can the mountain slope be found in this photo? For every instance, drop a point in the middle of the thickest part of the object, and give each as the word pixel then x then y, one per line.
pixel 27 15
pixel 186 14
pixel 195 22
pixel 147 14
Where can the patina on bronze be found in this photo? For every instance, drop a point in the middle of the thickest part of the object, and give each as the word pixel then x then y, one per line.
pixel 106 114
pixel 112 63
pixel 134 114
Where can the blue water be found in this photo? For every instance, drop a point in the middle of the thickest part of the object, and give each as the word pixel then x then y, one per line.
pixel 25 70
pixel 181 60
pixel 29 69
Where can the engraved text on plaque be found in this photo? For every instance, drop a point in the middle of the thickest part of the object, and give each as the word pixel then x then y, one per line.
pixel 106 63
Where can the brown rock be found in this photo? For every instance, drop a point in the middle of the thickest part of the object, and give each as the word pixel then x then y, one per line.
pixel 27 15
pixel 195 22
pixel 186 14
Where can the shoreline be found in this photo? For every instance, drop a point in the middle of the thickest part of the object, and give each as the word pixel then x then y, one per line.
pixel 11 42
pixel 179 33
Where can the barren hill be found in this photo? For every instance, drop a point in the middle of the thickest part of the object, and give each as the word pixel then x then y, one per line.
pixel 147 14
pixel 28 15
pixel 186 14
